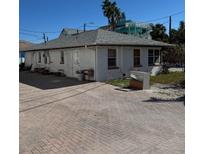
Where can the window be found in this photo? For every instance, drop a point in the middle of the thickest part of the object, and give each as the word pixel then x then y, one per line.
pixel 156 56
pixel 45 58
pixel 62 58
pixel 153 57
pixel 112 55
pixel 136 57
pixel 39 57
pixel 150 57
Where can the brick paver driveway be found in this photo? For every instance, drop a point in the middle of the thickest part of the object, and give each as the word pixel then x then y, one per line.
pixel 95 118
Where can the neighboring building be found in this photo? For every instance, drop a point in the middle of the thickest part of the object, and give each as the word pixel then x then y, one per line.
pixel 132 28
pixel 23 45
pixel 69 31
pixel 129 27
pixel 109 54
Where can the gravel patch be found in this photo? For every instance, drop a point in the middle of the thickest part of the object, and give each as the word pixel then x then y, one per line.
pixel 167 92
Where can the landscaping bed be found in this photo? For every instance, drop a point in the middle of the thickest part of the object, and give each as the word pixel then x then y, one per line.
pixel 169 78
pixel 123 83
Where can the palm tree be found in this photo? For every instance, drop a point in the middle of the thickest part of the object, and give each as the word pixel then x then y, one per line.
pixel 123 15
pixel 107 10
pixel 115 15
pixel 112 12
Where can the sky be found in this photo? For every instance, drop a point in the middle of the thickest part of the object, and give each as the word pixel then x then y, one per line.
pixel 54 15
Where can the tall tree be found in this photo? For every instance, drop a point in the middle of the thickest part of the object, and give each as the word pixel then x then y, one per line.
pixel 178 36
pixel 176 54
pixel 112 12
pixel 123 16
pixel 159 33
pixel 106 9
pixel 174 36
pixel 181 33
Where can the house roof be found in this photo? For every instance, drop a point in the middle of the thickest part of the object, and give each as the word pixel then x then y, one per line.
pixel 95 37
pixel 24 45
pixel 69 31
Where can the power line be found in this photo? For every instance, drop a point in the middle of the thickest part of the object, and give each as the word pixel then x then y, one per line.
pixel 165 22
pixel 41 32
pixel 38 39
pixel 24 33
pixel 28 32
pixel 91 26
pixel 156 19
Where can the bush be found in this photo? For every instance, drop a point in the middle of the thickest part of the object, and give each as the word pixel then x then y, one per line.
pixel 174 55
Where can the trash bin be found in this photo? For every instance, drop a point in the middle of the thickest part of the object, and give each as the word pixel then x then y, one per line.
pixel 139 80
pixel 88 74
pixel 136 84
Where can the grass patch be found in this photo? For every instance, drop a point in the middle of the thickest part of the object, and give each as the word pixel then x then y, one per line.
pixel 170 78
pixel 123 83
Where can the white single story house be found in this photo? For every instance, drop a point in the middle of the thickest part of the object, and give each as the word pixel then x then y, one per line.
pixel 109 54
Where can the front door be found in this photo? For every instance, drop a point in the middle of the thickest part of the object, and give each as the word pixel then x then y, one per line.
pixel 76 62
pixel 69 67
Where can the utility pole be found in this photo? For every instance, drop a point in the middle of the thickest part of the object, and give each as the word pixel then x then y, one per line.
pixel 44 37
pixel 84 26
pixel 170 28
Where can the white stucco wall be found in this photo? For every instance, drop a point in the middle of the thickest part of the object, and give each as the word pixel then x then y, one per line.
pixel 95 58
pixel 125 62
pixel 102 71
pixel 74 59
pixel 28 58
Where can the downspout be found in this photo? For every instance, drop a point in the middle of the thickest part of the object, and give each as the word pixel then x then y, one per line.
pixel 121 62
pixel 160 56
pixel 71 63
pixel 95 72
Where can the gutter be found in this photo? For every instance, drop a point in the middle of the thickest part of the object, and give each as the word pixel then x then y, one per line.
pixel 101 44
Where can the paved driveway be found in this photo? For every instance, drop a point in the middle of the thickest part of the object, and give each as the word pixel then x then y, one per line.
pixel 96 118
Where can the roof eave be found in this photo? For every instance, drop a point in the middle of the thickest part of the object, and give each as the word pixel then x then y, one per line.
pixel 137 45
pixel 102 44
pixel 54 48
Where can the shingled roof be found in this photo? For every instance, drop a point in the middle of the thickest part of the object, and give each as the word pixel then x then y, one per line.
pixel 24 45
pixel 69 31
pixel 96 37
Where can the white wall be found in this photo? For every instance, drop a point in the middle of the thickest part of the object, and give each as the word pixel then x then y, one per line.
pixel 102 72
pixel 28 58
pixel 95 58
pixel 82 58
pixel 74 59
pixel 125 62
